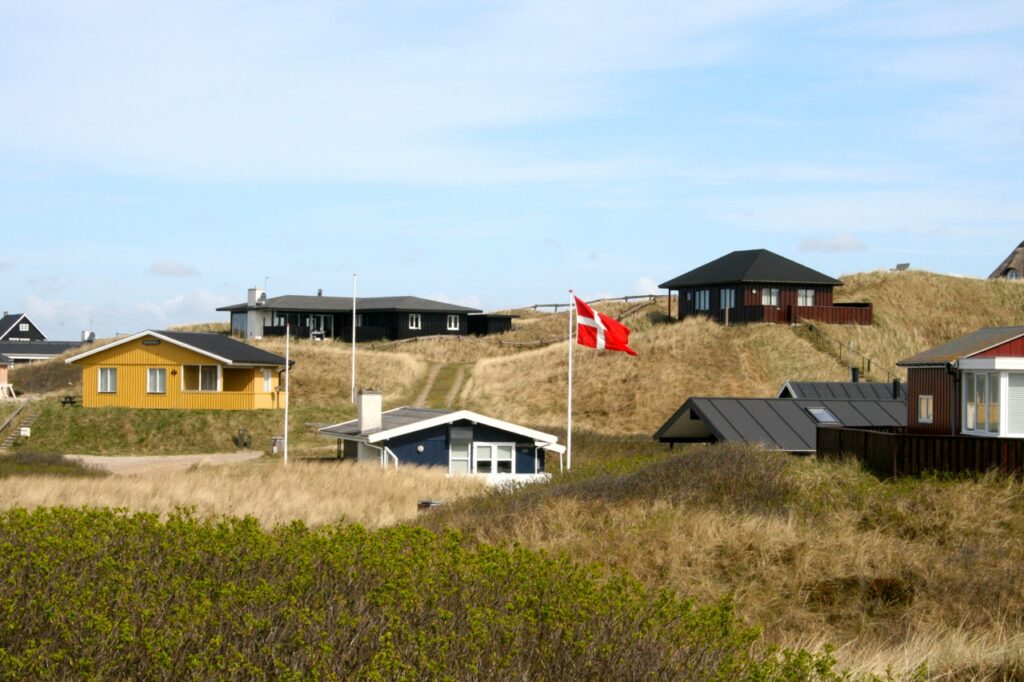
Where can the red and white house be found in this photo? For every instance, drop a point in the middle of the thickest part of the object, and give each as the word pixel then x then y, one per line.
pixel 972 386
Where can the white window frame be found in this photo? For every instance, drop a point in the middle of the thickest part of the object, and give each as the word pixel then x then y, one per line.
pixel 494 459
pixel 805 298
pixel 100 383
pixel 926 409
pixel 415 321
pixel 268 381
pixel 453 323
pixel 770 296
pixel 702 300
pixel 969 381
pixel 468 459
pixel 23 326
pixel 158 372
pixel 200 389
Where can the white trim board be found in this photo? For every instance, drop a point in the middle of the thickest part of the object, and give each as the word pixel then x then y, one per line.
pixel 991 364
pixel 139 335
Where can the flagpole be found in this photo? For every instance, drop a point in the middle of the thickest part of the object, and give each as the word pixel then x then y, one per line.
pixel 287 373
pixel 568 429
pixel 353 338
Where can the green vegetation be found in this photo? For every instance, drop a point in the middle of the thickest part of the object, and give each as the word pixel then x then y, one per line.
pixel 104 595
pixel 44 464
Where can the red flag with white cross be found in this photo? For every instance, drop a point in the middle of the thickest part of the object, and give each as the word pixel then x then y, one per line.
pixel 597 330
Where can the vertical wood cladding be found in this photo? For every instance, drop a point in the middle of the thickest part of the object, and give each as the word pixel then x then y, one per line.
pixel 1011 349
pixel 750 307
pixel 938 383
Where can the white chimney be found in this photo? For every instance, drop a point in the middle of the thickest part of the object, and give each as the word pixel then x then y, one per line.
pixel 254 296
pixel 368 407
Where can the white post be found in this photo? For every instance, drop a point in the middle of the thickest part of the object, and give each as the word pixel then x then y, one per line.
pixel 287 391
pixel 353 338
pixel 568 429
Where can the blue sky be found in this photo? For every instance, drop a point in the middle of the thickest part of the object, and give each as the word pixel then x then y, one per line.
pixel 156 159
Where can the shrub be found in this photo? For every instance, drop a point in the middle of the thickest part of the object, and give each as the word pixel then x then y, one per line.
pixel 99 594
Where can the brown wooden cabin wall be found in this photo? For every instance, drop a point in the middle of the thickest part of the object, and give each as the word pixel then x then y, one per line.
pixel 938 383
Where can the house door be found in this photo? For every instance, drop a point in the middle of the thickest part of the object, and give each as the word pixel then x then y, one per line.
pixel 493 458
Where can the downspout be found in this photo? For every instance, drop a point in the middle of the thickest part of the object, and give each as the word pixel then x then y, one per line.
pixel 954 378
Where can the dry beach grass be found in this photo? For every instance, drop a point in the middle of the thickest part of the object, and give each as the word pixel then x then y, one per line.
pixel 316 492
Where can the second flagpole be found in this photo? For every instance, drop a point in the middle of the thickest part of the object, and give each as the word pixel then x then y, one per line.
pixel 568 429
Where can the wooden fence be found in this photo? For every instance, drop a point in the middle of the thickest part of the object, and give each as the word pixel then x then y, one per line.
pixel 894 453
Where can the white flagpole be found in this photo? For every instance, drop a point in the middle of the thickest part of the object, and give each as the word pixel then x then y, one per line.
pixel 353 338
pixel 287 373
pixel 568 429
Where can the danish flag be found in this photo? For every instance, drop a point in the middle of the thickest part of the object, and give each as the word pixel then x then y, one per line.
pixel 597 330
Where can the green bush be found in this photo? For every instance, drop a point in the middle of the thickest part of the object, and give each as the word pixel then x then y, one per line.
pixel 101 594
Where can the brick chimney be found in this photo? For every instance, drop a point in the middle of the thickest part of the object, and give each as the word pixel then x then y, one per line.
pixel 368 407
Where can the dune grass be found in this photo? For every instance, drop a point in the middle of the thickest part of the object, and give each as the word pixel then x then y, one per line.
pixel 316 492
pixel 896 575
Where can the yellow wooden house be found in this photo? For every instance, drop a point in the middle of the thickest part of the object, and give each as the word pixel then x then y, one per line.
pixel 182 371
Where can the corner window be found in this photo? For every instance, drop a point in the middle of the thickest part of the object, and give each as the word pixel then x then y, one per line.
pixel 770 296
pixel 981 402
pixel 415 321
pixel 156 380
pixel 453 323
pixel 703 300
pixel 200 377
pixel 925 404
pixel 108 380
pixel 805 297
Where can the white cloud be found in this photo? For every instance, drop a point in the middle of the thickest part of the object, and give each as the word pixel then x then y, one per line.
pixel 646 285
pixel 835 244
pixel 195 306
pixel 172 268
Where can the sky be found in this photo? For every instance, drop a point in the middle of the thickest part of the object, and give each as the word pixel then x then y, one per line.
pixel 157 159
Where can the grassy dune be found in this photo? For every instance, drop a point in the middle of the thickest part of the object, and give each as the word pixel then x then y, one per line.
pixel 896 575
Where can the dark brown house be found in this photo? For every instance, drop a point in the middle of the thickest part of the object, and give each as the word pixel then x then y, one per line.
pixel 761 286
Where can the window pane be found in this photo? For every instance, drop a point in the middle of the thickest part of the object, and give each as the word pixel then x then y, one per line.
pixel 970 415
pixel 460 449
pixel 484 452
pixel 191 377
pixel 505 451
pixel 207 378
pixel 1015 404
pixel 460 466
pixel 993 403
pixel 483 467
pixel 504 467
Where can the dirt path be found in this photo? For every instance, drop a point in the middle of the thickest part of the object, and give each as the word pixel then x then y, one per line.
pixel 453 393
pixel 147 464
pixel 421 400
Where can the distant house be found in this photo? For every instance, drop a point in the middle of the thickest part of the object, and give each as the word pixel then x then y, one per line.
pixel 972 385
pixel 6 390
pixel 180 370
pixel 21 340
pixel 787 424
pixel 462 442
pixel 1011 268
pixel 761 286
pixel 387 317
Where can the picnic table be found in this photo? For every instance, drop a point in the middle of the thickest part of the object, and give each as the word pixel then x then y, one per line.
pixel 68 400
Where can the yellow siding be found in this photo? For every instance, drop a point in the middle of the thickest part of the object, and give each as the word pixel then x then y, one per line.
pixel 243 386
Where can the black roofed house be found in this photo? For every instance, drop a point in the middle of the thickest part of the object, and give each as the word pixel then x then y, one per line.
pixel 761 286
pixel 21 340
pixel 1012 267
pixel 380 317
pixel 787 424
pixel 461 441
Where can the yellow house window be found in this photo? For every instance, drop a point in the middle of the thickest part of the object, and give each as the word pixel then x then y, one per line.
pixel 200 377
pixel 156 380
pixel 266 380
pixel 108 380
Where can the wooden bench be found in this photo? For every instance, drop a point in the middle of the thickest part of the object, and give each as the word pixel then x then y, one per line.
pixel 68 400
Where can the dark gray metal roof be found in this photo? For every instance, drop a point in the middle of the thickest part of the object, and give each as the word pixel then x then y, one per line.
pixel 43 348
pixel 343 304
pixel 964 346
pixel 225 347
pixel 861 390
pixel 779 423
pixel 7 323
pixel 759 266
pixel 392 419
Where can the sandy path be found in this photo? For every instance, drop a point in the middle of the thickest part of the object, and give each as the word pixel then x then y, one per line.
pixel 146 464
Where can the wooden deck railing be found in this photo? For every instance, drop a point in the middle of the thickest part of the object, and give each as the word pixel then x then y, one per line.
pixel 892 453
